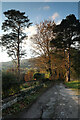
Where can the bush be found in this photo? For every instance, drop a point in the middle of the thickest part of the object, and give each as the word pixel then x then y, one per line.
pixel 45 80
pixel 39 76
pixel 22 78
pixel 10 85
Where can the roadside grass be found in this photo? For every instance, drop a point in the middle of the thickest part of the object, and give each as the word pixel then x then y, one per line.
pixel 27 86
pixel 73 84
pixel 19 106
pixel 26 102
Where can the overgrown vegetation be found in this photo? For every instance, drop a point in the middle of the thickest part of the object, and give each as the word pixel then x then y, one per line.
pixel 73 84
pixel 27 101
pixel 19 106
pixel 10 85
pixel 29 80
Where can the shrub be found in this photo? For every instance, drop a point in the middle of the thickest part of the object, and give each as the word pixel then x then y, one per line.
pixel 10 85
pixel 39 76
pixel 45 80
pixel 22 78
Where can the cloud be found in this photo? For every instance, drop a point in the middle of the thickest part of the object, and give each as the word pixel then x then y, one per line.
pixel 55 15
pixel 58 22
pixel 46 7
pixel 27 43
pixel 31 30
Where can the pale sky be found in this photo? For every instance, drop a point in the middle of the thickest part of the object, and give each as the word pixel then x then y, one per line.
pixel 38 11
pixel 40 0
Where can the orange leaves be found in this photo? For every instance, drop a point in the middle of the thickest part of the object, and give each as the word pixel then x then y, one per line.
pixel 29 76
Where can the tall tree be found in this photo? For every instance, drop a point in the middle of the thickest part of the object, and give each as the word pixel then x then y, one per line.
pixel 66 32
pixel 12 40
pixel 76 61
pixel 41 42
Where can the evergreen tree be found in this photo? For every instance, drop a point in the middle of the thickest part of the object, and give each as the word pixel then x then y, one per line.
pixel 66 33
pixel 12 40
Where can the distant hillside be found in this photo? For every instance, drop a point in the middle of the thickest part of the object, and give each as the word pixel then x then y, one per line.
pixel 25 63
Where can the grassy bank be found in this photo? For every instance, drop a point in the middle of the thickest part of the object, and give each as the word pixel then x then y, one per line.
pixel 26 102
pixel 73 84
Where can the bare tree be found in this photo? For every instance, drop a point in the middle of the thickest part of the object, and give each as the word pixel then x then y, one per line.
pixel 41 43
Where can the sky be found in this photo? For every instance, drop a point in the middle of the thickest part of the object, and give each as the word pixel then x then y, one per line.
pixel 37 12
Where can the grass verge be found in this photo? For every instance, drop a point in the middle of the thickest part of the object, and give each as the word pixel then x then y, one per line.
pixel 26 102
pixel 73 84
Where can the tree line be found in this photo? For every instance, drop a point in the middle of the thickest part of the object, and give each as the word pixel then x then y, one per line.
pixel 58 46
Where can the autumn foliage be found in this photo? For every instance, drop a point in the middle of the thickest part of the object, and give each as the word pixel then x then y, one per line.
pixel 29 75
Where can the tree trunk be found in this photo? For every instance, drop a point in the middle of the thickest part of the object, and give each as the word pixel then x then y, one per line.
pixel 49 57
pixel 18 58
pixel 68 70
pixel 69 64
pixel 50 70
pixel 67 76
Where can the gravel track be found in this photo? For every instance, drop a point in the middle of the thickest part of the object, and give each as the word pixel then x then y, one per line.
pixel 57 102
